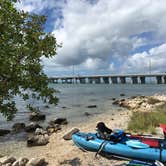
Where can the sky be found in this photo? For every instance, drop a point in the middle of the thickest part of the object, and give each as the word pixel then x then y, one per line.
pixel 104 36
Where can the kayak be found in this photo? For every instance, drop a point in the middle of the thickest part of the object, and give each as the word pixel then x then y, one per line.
pixel 145 149
pixel 141 163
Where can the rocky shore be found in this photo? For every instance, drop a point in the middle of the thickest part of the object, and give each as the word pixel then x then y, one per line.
pixel 142 103
pixel 58 151
pixel 61 152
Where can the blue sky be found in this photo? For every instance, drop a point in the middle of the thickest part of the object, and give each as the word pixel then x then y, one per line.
pixel 104 37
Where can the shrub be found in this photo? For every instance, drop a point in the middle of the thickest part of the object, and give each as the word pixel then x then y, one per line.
pixel 146 121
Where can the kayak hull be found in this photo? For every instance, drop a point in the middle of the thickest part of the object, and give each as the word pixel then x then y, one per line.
pixel 90 142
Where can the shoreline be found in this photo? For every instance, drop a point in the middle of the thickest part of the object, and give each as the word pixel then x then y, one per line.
pixel 60 152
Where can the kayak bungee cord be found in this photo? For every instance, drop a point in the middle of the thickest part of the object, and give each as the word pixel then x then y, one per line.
pixel 101 148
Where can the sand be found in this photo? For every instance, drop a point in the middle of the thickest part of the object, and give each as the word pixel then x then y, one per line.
pixel 60 152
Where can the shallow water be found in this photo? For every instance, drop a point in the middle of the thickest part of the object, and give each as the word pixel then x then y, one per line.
pixel 74 99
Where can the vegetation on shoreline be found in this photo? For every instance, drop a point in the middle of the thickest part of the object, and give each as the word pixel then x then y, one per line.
pixel 148 121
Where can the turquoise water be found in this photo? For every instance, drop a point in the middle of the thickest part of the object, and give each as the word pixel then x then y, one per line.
pixel 74 99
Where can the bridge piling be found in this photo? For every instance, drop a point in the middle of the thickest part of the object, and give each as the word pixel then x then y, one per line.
pixel 164 77
pixel 114 80
pixel 159 79
pixel 134 79
pixel 106 80
pixel 97 80
pixel 82 80
pixel 123 80
pixel 142 80
pixel 64 80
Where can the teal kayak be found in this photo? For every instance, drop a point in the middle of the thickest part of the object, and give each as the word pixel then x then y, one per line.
pixel 141 163
pixel 125 146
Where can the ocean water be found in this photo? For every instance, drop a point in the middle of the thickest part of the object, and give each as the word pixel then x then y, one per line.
pixel 74 99
pixel 73 102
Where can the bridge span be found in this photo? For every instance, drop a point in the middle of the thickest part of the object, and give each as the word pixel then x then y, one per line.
pixel 159 78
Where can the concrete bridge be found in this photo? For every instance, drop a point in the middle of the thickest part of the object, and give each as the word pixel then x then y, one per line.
pixel 159 78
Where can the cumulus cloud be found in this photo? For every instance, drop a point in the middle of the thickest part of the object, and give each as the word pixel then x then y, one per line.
pixel 105 35
pixel 152 61
pixel 37 6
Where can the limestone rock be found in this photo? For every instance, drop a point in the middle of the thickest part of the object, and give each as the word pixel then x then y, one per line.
pixel 91 106
pixel 37 162
pixel 87 114
pixel 53 128
pixel 4 132
pixel 116 102
pixel 68 136
pixel 17 127
pixel 8 164
pixel 59 121
pixel 40 131
pixel 37 140
pixel 75 161
pixel 32 127
pixel 37 116
pixel 20 162
pixel 7 159
pixel 16 163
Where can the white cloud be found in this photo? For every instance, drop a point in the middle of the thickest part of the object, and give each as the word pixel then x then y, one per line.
pixel 153 60
pixel 106 30
pixel 37 6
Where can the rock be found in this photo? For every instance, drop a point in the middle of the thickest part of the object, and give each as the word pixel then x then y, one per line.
pixel 122 94
pixel 122 100
pixel 37 140
pixel 47 106
pixel 7 159
pixel 59 121
pixel 40 131
pixel 74 162
pixel 4 132
pixel 37 162
pixel 53 128
pixel 50 130
pixel 16 163
pixel 20 162
pixel 32 127
pixel 116 102
pixel 68 136
pixel 124 104
pixel 36 116
pixel 91 106
pixel 133 97
pixel 113 98
pixel 17 127
pixel 87 114
pixel 8 164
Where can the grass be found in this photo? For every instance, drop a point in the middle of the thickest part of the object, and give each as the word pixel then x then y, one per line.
pixel 147 121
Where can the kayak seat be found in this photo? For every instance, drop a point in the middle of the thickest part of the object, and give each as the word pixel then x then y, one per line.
pixel 149 141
